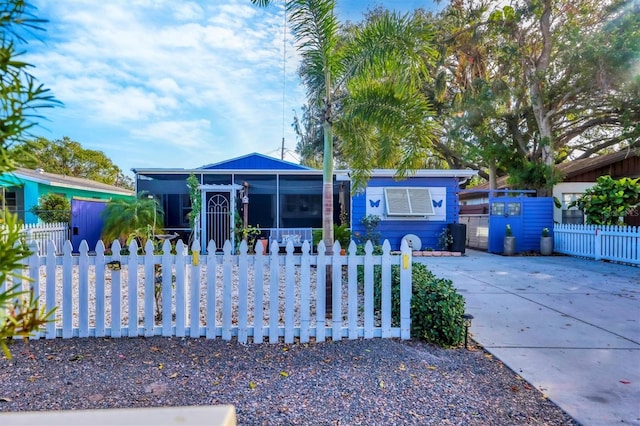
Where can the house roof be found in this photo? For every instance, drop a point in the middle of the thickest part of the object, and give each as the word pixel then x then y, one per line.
pixel 254 161
pixel 459 173
pixel 572 168
pixel 259 164
pixel 53 179
pixel 587 164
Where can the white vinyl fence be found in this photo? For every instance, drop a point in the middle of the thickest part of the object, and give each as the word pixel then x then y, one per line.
pixel 600 242
pixel 43 232
pixel 218 295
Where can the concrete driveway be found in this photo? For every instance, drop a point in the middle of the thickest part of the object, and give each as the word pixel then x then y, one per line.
pixel 569 326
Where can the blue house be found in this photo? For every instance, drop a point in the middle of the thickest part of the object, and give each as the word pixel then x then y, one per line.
pixel 284 199
pixel 418 207
pixel 23 188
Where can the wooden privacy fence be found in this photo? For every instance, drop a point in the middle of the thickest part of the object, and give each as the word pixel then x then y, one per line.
pixel 43 232
pixel 600 242
pixel 218 295
pixel 477 230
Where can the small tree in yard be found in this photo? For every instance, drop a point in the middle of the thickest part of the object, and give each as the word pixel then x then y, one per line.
pixel 53 208
pixel 125 219
pixel 609 200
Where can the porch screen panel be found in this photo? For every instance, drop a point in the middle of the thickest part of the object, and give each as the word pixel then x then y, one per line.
pixel 300 201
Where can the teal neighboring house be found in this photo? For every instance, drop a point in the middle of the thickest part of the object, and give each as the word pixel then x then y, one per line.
pixel 22 189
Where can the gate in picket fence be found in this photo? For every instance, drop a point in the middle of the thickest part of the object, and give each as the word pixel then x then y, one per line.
pixel 224 295
pixel 599 242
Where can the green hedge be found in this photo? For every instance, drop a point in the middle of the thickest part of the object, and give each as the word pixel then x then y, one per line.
pixel 436 306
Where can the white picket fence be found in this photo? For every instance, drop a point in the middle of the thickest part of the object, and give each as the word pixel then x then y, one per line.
pixel 600 242
pixel 263 296
pixel 43 232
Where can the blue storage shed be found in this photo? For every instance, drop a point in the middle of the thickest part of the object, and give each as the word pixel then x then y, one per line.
pixel 525 214
pixel 418 207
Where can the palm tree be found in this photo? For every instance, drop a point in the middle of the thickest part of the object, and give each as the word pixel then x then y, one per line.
pixel 366 84
pixel 124 219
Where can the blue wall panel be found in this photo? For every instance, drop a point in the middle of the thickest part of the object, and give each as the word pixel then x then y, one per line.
pixel 536 214
pixel 395 229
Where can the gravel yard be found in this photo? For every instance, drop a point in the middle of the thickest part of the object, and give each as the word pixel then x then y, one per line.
pixel 359 382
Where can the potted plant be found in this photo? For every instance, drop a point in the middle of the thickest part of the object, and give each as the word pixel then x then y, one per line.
pixel 342 234
pixel 509 242
pixel 445 239
pixel 546 243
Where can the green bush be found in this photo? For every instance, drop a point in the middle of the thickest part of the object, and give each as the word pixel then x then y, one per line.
pixel 436 306
pixel 436 312
pixel 53 208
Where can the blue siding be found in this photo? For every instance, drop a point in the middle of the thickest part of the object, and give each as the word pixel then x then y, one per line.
pixel 394 230
pixel 255 162
pixel 536 214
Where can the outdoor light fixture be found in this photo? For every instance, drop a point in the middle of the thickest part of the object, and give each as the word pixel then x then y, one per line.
pixel 467 323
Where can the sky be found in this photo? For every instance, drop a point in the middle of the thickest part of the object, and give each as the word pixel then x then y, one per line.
pixel 174 84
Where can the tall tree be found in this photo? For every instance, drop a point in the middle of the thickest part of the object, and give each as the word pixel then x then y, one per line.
pixel 530 84
pixel 21 97
pixel 372 75
pixel 69 158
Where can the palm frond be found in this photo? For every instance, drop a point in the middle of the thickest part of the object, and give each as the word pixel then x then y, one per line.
pixel 315 27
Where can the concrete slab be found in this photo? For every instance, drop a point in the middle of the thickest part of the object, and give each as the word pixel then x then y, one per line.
pixel 507 320
pixel 595 386
pixel 569 326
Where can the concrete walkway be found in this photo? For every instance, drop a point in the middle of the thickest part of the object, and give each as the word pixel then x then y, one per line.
pixel 569 326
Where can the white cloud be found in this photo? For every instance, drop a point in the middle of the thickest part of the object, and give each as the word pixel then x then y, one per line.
pixel 174 133
pixel 186 75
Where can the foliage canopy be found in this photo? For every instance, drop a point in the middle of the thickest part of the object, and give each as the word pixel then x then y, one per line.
pixel 609 200
pixel 21 97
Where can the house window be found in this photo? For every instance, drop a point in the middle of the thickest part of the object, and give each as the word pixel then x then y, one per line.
pixel 176 209
pixel 514 209
pixel 497 209
pixel 10 201
pixel 571 215
pixel 408 201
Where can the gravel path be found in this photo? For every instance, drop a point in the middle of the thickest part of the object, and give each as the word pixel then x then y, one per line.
pixel 361 382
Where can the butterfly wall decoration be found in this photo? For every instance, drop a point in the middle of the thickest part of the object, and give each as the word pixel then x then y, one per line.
pixel 437 204
pixel 374 203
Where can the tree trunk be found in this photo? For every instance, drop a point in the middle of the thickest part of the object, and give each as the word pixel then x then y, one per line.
pixel 493 179
pixel 327 205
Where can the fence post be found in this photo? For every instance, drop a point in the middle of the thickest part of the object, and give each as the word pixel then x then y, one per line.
pixel 243 292
pixel 132 291
pixel 116 290
pixel 227 301
pixel 194 288
pixel 289 294
pixel 598 245
pixel 305 289
pixel 321 285
pixel 386 290
pixel 352 285
pixel 368 290
pixel 274 293
pixel 211 290
pixel 150 289
pixel 51 289
pixel 83 290
pixel 180 291
pixel 67 291
pixel 34 274
pixel 405 291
